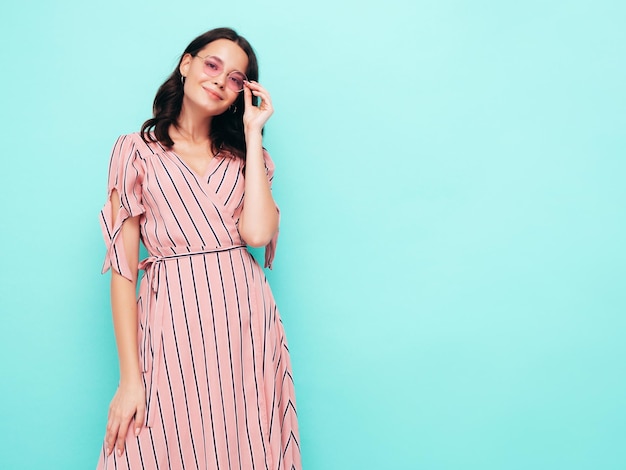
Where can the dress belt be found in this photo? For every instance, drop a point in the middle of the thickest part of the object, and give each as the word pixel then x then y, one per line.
pixel 153 317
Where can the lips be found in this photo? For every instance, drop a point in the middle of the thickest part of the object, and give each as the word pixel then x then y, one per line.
pixel 213 94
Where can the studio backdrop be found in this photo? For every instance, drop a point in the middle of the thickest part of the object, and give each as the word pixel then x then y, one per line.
pixel 451 265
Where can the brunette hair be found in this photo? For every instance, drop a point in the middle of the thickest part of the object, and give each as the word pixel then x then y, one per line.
pixel 227 128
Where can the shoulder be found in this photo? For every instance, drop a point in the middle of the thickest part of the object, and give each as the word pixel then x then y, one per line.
pixel 133 146
pixel 129 155
pixel 145 146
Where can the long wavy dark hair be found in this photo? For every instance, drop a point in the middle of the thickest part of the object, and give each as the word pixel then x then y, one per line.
pixel 227 128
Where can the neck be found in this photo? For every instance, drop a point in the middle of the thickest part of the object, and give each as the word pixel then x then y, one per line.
pixel 192 127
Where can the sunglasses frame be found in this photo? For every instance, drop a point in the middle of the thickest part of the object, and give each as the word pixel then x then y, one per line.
pixel 215 73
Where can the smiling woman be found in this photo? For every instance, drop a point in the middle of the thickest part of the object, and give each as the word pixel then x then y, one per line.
pixel 205 375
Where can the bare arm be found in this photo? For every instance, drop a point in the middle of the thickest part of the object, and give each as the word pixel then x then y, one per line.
pixel 129 400
pixel 259 217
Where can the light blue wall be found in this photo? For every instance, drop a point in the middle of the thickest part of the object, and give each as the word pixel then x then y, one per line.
pixel 451 268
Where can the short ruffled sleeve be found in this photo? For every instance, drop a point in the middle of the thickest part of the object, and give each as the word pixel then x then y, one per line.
pixel 270 248
pixel 126 172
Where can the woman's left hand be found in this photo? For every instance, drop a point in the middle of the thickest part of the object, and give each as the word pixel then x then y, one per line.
pixel 255 117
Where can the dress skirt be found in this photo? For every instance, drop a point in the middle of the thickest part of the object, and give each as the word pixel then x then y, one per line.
pixel 215 361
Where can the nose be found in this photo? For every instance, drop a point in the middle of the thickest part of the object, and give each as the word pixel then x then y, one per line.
pixel 219 80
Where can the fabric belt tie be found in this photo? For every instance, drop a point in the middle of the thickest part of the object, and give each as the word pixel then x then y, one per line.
pixel 151 331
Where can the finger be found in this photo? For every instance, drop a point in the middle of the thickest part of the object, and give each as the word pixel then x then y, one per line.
pixel 121 436
pixel 264 104
pixel 263 95
pixel 256 85
pixel 140 417
pixel 119 445
pixel 111 435
pixel 258 90
pixel 110 416
pixel 247 95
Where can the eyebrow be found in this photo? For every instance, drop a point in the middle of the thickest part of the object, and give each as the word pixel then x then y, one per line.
pixel 216 58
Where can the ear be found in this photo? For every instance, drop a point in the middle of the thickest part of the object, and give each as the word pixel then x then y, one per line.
pixel 185 63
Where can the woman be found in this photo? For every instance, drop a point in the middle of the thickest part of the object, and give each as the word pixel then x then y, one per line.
pixel 205 376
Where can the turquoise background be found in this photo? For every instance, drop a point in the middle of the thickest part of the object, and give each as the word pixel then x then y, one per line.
pixel 451 265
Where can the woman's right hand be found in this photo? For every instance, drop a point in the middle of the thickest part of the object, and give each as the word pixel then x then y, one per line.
pixel 128 404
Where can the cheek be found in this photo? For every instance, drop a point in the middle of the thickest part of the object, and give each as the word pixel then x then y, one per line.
pixel 230 103
pixel 232 98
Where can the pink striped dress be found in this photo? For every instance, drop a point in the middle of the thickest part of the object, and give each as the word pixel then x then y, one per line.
pixel 215 362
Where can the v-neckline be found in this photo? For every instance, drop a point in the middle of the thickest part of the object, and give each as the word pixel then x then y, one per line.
pixel 191 170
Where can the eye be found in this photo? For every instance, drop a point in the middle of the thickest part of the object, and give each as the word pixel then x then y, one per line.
pixel 236 80
pixel 212 65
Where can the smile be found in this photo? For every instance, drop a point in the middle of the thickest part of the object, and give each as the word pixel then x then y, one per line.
pixel 213 94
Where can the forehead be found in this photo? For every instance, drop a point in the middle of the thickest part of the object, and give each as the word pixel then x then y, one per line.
pixel 228 52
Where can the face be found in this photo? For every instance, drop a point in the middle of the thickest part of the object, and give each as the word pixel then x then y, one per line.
pixel 207 85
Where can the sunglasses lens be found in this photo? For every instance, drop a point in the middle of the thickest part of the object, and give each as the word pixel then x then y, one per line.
pixel 212 67
pixel 235 81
